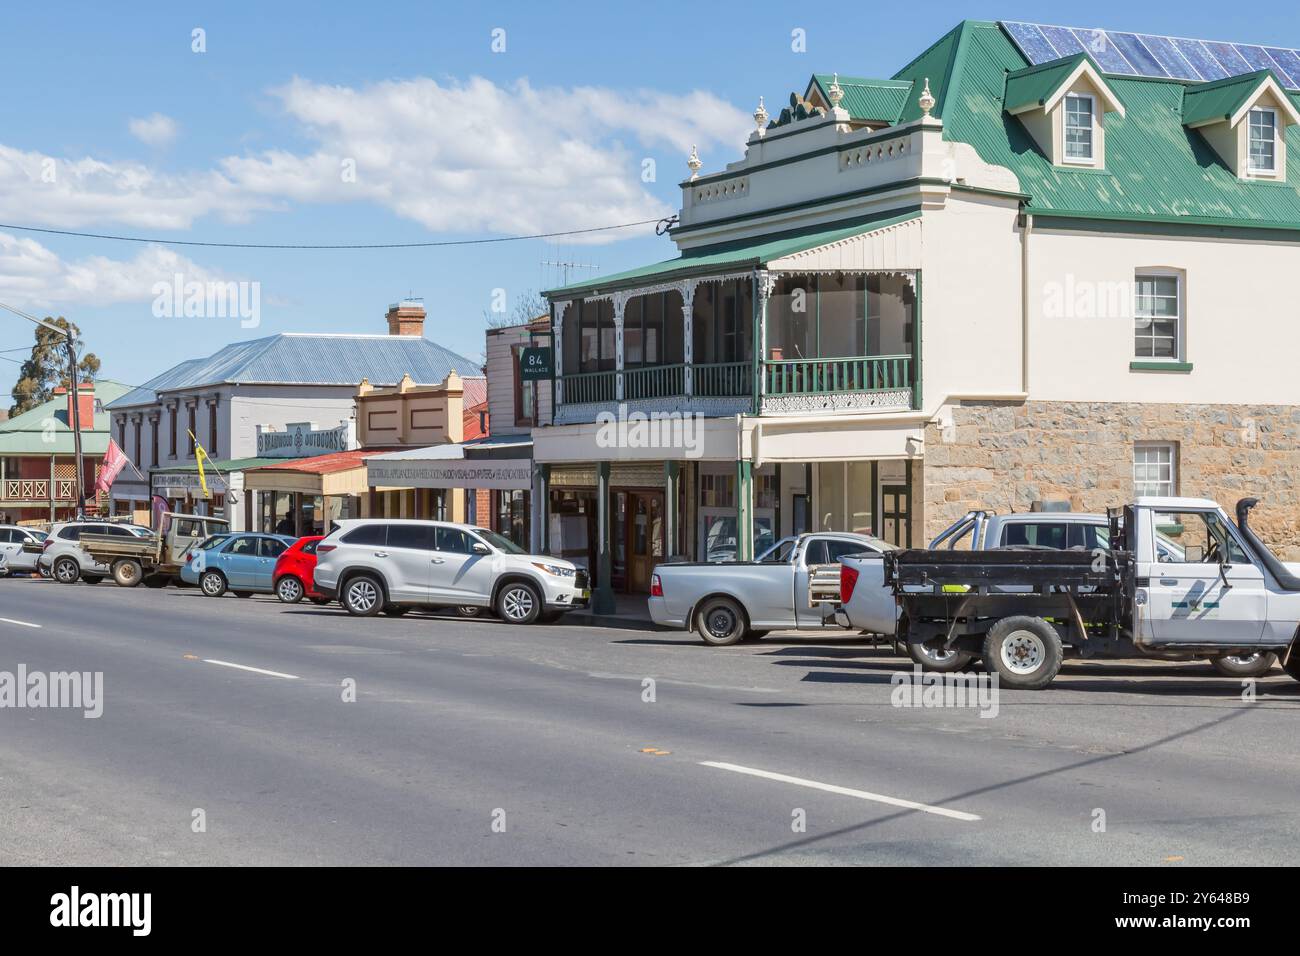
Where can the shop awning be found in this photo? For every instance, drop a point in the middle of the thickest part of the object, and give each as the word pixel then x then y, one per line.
pixel 179 479
pixel 503 463
pixel 336 473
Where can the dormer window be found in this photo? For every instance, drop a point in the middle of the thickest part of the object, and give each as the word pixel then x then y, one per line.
pixel 1263 140
pixel 1244 119
pixel 1064 105
pixel 1079 111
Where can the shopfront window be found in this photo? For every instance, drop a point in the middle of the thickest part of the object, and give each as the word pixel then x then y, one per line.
pixel 844 497
pixel 511 516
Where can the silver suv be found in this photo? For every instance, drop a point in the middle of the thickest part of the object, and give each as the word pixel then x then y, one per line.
pixel 374 564
pixel 13 558
pixel 67 562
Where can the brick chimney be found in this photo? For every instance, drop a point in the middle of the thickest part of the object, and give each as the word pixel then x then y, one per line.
pixel 406 317
pixel 85 398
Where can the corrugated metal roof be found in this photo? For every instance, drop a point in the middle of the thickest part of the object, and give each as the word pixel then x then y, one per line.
pixel 1156 168
pixel 27 434
pixel 1035 85
pixel 1209 102
pixel 867 99
pixel 292 358
pixel 741 254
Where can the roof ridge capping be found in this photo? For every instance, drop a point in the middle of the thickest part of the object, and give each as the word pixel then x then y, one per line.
pixel 1042 85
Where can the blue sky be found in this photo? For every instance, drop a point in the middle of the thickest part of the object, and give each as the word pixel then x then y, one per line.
pixel 450 140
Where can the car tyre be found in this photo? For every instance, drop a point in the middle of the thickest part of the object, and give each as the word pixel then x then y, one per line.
pixel 931 656
pixel 127 572
pixel 362 596
pixel 43 571
pixel 289 589
pixel 1025 652
pixel 66 571
pixel 721 622
pixel 212 584
pixel 519 603
pixel 1244 665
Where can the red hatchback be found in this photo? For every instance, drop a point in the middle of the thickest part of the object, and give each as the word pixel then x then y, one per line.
pixel 292 577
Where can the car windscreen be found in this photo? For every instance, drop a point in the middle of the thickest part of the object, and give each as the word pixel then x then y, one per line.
pixel 499 541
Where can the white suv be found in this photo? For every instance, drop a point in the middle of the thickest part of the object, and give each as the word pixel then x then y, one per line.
pixel 374 564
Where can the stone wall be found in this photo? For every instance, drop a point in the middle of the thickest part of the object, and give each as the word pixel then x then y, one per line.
pixel 1004 456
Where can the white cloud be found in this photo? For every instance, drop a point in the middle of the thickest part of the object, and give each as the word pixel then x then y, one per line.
pixel 31 274
pixel 476 156
pixel 37 189
pixel 154 130
pixel 465 157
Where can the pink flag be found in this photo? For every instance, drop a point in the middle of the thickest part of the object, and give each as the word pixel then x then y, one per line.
pixel 114 461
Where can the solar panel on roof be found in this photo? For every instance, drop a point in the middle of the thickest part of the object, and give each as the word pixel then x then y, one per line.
pixel 1146 54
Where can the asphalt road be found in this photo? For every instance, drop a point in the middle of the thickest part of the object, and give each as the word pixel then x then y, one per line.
pixel 471 742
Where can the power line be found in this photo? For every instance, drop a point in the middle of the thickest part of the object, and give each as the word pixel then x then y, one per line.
pixel 367 245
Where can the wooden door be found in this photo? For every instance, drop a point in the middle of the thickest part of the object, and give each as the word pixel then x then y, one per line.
pixel 645 538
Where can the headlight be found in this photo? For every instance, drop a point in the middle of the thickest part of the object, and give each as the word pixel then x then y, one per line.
pixel 555 570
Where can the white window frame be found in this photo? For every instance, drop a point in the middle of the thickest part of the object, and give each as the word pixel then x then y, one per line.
pixel 1141 486
pixel 1091 158
pixel 1181 318
pixel 1250 154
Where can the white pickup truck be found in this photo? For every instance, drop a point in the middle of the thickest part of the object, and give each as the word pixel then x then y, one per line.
pixel 1223 592
pixel 795 584
pixel 867 604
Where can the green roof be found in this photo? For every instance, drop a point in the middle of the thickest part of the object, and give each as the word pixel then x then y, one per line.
pixel 45 430
pixel 1220 100
pixel 1157 170
pixel 867 99
pixel 741 254
pixel 222 465
pixel 1036 85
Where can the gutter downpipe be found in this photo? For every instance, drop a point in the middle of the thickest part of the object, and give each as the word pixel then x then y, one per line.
pixel 1025 233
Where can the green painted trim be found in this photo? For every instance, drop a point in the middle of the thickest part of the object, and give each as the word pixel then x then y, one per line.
pixel 744 510
pixel 1160 366
pixel 1157 226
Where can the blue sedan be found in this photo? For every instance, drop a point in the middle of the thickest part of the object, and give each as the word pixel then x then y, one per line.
pixel 242 564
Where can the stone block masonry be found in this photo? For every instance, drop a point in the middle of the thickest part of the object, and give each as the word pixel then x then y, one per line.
pixel 1004 456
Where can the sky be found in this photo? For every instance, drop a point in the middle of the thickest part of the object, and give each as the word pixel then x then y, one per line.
pixel 331 122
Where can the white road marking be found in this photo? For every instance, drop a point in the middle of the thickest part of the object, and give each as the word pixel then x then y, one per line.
pixel 9 620
pixel 843 791
pixel 255 670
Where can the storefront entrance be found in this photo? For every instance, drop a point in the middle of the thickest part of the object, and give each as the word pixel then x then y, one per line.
pixel 643 537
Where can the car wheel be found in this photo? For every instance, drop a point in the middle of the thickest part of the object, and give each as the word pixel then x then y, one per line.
pixel 43 571
pixel 933 656
pixel 721 622
pixel 470 611
pixel 1025 652
pixel 66 571
pixel 362 596
pixel 289 589
pixel 1244 665
pixel 519 603
pixel 127 572
pixel 212 584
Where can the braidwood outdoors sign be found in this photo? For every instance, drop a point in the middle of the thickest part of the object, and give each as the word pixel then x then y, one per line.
pixel 504 475
pixel 301 440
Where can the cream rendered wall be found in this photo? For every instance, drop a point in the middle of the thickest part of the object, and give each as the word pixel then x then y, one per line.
pixel 1242 320
pixel 971 314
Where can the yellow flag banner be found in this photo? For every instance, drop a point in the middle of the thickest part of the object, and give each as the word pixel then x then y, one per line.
pixel 200 456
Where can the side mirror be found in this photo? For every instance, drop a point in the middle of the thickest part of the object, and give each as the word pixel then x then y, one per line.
pixel 481 548
pixel 1193 554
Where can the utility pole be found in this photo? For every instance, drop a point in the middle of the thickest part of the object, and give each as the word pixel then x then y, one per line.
pixel 76 403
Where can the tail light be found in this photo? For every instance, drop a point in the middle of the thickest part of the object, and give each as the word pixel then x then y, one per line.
pixel 656 588
pixel 848 581
pixel 325 548
pixel 45 545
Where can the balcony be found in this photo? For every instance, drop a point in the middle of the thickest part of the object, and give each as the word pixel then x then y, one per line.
pixel 37 490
